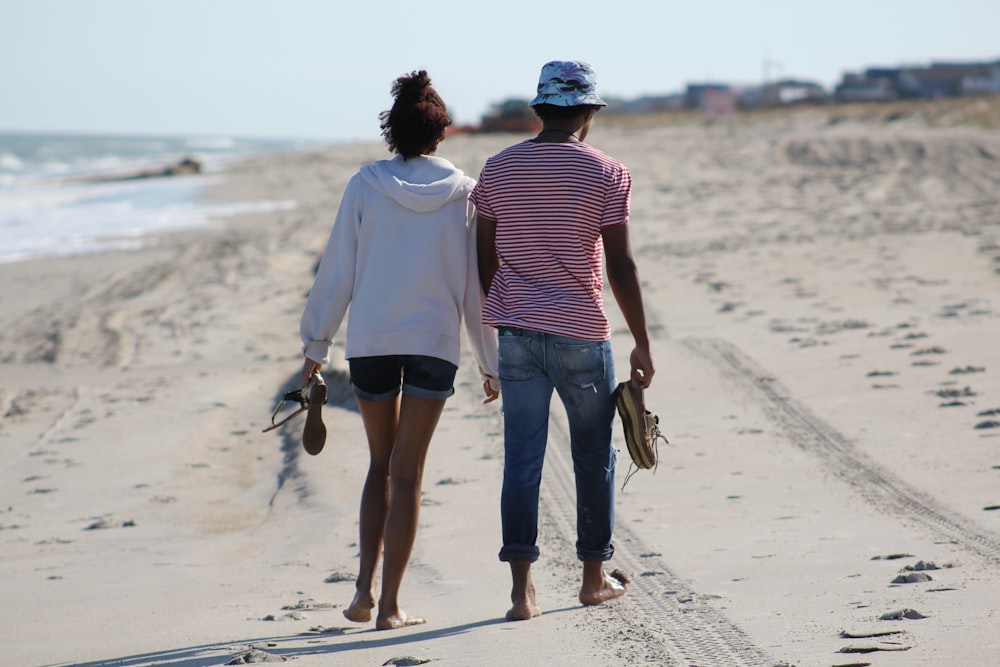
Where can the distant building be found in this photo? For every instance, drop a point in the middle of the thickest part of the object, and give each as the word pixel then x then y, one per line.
pixel 791 91
pixel 858 88
pixel 646 104
pixel 934 81
pixel 694 95
pixel 986 82
pixel 510 115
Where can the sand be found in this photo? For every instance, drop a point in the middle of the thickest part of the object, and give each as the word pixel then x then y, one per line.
pixel 824 291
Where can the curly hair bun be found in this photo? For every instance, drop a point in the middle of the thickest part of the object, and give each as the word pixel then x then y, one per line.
pixel 418 118
pixel 412 86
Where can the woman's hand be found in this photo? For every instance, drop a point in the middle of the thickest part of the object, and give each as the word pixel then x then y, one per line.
pixel 310 368
pixel 491 393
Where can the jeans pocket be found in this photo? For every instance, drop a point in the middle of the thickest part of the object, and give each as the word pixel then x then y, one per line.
pixel 582 365
pixel 515 357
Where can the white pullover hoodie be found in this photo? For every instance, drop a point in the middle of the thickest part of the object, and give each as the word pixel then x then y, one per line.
pixel 402 256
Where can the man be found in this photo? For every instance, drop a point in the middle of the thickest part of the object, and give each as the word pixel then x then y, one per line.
pixel 546 207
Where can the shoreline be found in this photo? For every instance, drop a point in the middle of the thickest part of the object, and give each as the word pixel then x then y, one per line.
pixel 824 305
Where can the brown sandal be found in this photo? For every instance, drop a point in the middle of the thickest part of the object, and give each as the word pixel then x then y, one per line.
pixel 314 433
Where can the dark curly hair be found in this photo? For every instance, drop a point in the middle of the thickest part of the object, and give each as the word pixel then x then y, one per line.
pixel 417 120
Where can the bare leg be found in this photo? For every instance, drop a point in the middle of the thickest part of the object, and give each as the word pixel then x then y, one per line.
pixel 380 427
pixel 522 592
pixel 418 417
pixel 599 586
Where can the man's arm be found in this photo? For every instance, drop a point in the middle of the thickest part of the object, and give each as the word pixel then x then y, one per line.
pixel 486 251
pixel 623 276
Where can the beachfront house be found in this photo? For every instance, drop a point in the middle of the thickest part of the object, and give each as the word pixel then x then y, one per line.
pixel 935 81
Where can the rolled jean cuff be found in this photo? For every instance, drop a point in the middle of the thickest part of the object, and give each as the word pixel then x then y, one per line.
pixel 511 552
pixel 596 554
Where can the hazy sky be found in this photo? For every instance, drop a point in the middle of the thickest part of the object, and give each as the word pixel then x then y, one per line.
pixel 323 68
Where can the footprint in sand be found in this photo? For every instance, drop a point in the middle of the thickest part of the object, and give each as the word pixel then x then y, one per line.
pixel 308 605
pixel 873 648
pixel 966 370
pixel 989 423
pixel 447 481
pixel 103 523
pixel 952 310
pixel 290 616
pixel 928 350
pixel 871 634
pixel 406 661
pixel 953 394
pixel 901 614
pixel 255 656
pixel 921 566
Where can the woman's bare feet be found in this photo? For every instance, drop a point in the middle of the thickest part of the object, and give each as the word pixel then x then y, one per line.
pixel 607 587
pixel 400 619
pixel 360 609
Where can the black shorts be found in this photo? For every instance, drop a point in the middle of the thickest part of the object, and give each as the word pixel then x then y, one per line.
pixel 382 378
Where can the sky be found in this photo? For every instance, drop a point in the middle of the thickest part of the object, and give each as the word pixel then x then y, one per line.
pixel 322 69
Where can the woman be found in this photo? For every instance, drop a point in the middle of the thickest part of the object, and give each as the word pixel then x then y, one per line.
pixel 402 255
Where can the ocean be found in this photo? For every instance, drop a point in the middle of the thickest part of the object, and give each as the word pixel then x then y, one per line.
pixel 72 194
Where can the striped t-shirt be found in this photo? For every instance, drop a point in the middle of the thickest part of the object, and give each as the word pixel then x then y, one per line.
pixel 550 202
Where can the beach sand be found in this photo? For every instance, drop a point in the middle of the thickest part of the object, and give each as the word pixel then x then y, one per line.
pixel 824 295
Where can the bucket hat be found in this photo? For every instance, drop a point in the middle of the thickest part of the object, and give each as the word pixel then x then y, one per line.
pixel 567 83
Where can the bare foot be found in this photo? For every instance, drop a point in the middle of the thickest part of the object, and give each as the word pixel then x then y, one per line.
pixel 360 609
pixel 612 586
pixel 523 611
pixel 524 608
pixel 398 620
pixel 522 592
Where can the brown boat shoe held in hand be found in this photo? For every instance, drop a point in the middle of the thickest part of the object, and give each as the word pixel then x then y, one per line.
pixel 641 427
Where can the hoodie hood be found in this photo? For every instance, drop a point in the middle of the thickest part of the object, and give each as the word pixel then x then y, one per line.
pixel 421 184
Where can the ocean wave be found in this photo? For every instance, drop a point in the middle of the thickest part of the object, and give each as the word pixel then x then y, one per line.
pixel 218 143
pixel 11 162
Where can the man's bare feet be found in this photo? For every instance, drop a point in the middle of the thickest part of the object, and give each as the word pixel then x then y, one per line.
pixel 611 586
pixel 524 610
pixel 360 609
pixel 522 592
pixel 398 620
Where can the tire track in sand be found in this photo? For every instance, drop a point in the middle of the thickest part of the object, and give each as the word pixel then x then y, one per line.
pixel 875 484
pixel 661 620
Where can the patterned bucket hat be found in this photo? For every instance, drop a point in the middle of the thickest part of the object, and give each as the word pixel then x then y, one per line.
pixel 567 83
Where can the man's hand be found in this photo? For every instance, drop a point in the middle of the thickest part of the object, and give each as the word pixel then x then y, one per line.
pixel 642 366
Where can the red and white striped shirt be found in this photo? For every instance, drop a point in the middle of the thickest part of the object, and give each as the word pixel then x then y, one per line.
pixel 550 202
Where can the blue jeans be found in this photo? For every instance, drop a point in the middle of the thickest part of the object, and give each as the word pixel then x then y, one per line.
pixel 582 373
